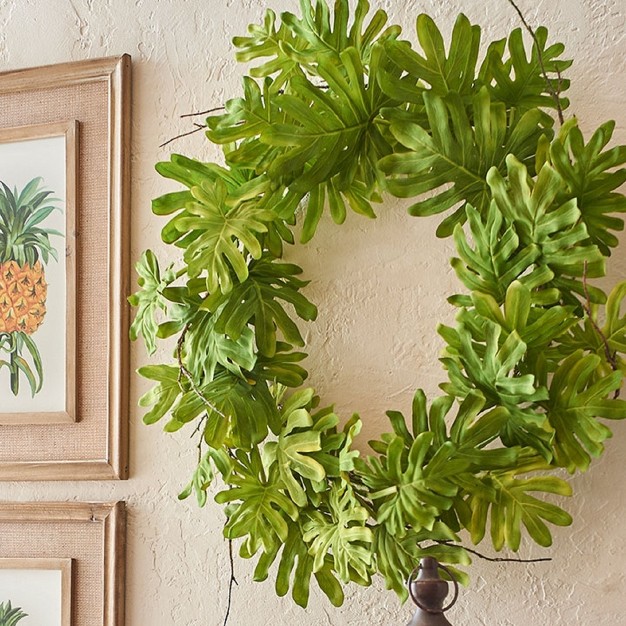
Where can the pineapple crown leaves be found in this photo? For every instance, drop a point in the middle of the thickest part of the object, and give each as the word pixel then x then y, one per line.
pixel 342 110
pixel 22 237
pixel 9 615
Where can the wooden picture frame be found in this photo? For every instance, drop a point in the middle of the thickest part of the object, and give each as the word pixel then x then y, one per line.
pixel 90 536
pixel 27 138
pixel 87 439
pixel 63 616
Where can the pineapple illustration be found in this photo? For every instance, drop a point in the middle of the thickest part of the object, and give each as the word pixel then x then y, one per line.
pixel 25 249
pixel 10 616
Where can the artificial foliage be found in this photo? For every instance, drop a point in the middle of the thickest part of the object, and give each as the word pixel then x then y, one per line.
pixel 337 111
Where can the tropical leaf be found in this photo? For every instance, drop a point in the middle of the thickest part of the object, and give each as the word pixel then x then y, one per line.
pixel 204 348
pixel 487 365
pixel 149 299
pixel 434 71
pixel 290 454
pixel 586 170
pixel 412 491
pixel 453 155
pixel 298 577
pixel 295 45
pixel 523 82
pixel 213 233
pixel 341 531
pixel 578 397
pixel 257 302
pixel 507 498
pixel 557 230
pixel 260 509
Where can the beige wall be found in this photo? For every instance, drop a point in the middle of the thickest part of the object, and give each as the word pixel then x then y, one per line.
pixel 381 289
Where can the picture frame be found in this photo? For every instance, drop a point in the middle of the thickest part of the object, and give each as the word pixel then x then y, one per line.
pixel 29 149
pixel 39 588
pixel 74 424
pixel 85 541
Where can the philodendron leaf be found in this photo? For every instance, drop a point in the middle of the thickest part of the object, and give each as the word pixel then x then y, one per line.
pixel 410 491
pixel 341 531
pixel 295 45
pixel 257 301
pixel 149 299
pixel 298 577
pixel 578 397
pixel 508 499
pixel 557 230
pixel 205 348
pixel 295 442
pixel 434 70
pixel 452 156
pixel 520 80
pixel 213 232
pixel 591 176
pixel 485 364
pixel 497 258
pixel 261 509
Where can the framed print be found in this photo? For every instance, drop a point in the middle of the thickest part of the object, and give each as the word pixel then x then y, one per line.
pixel 64 194
pixel 37 273
pixel 37 589
pixel 63 564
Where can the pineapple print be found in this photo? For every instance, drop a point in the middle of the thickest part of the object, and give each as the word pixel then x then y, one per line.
pixel 10 616
pixel 25 249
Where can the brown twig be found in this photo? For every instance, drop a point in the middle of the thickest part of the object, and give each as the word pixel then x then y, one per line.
pixel 555 93
pixel 198 128
pixel 611 356
pixel 494 559
pixel 198 113
pixel 231 582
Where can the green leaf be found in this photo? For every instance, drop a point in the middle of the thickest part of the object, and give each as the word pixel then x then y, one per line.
pixel 164 394
pixel 261 509
pixel 257 301
pixel 214 233
pixel 508 498
pixel 341 531
pixel 149 299
pixel 291 452
pixel 578 397
pixel 589 175
pixel 434 71
pixel 520 80
pixel 557 230
pixel 451 157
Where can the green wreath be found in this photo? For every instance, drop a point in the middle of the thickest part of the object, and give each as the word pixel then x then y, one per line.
pixel 340 110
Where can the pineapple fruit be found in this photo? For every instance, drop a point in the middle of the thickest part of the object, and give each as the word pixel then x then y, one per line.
pixel 25 249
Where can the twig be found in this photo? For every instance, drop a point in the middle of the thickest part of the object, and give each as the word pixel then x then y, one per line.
pixel 611 357
pixel 183 371
pixel 231 582
pixel 198 113
pixel 495 559
pixel 553 92
pixel 198 128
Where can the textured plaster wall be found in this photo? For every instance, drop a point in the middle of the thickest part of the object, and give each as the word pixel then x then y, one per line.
pixel 381 289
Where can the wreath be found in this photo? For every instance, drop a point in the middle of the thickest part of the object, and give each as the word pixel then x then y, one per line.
pixel 339 110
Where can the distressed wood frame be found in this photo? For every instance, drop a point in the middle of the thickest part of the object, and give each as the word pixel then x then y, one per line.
pixel 63 565
pixel 108 554
pixel 69 130
pixel 110 461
